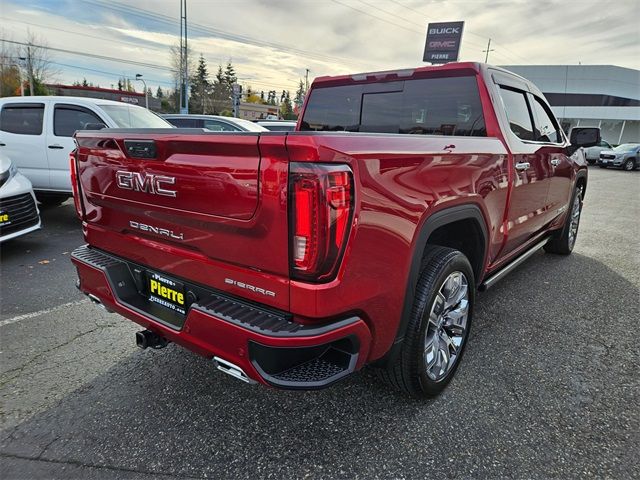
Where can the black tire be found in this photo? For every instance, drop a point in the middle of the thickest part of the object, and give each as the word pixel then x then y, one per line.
pixel 408 372
pixel 629 164
pixel 52 199
pixel 562 242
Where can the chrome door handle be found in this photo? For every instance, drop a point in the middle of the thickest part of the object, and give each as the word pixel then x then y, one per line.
pixel 522 165
pixel 555 162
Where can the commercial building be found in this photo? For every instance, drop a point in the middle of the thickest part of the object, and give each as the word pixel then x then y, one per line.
pixel 104 93
pixel 602 96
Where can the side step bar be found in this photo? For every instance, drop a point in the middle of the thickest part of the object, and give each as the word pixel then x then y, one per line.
pixel 504 271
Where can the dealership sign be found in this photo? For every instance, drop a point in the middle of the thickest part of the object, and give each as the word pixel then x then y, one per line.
pixel 443 42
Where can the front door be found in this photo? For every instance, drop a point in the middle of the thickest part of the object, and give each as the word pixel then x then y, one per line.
pixel 558 164
pixel 65 119
pixel 528 209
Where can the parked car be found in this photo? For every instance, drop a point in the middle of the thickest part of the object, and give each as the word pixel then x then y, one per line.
pixel 19 213
pixel 321 251
pixel 626 156
pixel 593 153
pixel 214 123
pixel 278 125
pixel 37 134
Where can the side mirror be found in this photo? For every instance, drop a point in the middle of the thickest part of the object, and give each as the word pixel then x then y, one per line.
pixel 94 126
pixel 583 137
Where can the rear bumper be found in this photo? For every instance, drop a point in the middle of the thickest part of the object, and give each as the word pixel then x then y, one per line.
pixel 268 345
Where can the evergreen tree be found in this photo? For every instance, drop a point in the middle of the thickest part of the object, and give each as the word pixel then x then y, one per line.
pixel 300 93
pixel 221 92
pixel 286 109
pixel 159 93
pixel 200 88
pixel 85 83
pixel 230 74
pixel 120 85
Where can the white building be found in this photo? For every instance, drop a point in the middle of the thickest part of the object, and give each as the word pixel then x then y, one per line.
pixel 602 96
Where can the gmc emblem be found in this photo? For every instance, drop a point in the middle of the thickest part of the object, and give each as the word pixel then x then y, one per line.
pixel 143 182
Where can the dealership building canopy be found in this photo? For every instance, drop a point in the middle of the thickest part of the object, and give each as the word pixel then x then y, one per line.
pixel 602 96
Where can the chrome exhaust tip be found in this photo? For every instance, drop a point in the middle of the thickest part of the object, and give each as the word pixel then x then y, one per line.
pixel 233 370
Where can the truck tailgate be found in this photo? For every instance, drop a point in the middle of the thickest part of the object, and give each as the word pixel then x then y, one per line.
pixel 207 198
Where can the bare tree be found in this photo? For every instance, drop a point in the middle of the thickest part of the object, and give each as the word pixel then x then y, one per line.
pixel 174 62
pixel 37 62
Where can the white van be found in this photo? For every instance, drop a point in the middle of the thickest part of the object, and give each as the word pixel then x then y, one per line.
pixel 37 134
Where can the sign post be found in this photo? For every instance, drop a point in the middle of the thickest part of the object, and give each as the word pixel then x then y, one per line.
pixel 443 42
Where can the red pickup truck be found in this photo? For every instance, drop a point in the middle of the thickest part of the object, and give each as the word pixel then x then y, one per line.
pixel 294 259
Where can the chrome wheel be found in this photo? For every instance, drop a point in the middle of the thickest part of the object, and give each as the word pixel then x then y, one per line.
pixel 575 217
pixel 629 165
pixel 447 326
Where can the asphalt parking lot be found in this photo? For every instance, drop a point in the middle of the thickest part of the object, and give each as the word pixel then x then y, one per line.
pixel 550 385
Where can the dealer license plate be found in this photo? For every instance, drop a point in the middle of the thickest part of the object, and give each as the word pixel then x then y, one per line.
pixel 166 292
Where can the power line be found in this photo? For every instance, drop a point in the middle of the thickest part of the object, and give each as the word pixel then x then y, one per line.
pixel 391 14
pixel 203 29
pixel 91 55
pixel 377 18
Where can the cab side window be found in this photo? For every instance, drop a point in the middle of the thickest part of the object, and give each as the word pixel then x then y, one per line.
pixel 23 119
pixel 546 128
pixel 67 119
pixel 520 121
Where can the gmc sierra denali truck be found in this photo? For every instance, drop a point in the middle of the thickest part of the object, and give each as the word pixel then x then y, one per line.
pixel 294 259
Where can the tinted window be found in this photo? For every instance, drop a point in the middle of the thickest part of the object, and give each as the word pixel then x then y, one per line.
pixel 22 119
pixel 216 126
pixel 185 122
pixel 66 120
pixel 546 129
pixel 434 106
pixel 515 105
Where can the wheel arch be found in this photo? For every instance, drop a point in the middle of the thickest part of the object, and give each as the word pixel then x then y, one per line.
pixel 434 222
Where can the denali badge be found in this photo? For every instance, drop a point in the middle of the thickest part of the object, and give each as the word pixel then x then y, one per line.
pixel 157 230
pixel 143 182
pixel 246 286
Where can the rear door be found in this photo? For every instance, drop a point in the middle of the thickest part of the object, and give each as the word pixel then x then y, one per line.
pixel 22 139
pixel 65 120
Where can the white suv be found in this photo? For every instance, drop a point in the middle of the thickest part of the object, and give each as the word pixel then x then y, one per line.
pixel 37 134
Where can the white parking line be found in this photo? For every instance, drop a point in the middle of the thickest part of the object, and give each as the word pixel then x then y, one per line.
pixel 26 316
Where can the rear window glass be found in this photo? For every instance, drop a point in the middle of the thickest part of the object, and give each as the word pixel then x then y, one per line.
pixel 131 116
pixel 22 119
pixel 431 106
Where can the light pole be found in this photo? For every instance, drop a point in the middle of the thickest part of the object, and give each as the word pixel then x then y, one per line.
pixel 146 96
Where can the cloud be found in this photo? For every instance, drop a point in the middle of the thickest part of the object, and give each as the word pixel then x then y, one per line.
pixel 272 43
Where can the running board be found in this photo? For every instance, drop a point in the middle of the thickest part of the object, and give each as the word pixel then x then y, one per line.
pixel 504 271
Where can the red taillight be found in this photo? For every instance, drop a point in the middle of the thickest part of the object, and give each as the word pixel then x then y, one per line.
pixel 73 168
pixel 320 209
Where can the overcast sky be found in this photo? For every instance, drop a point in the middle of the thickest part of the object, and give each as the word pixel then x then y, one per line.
pixel 272 42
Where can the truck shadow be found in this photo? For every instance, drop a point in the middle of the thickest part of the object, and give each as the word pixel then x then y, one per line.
pixel 537 365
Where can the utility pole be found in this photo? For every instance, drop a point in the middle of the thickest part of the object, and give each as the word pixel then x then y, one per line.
pixel 184 60
pixel 489 49
pixel 30 70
